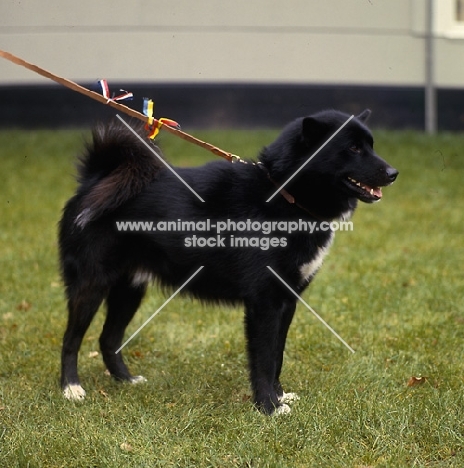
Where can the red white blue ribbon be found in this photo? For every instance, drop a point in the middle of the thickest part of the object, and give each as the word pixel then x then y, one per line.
pixel 105 90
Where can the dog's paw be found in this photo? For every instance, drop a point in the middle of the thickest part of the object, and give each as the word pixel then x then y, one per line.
pixel 138 379
pixel 289 398
pixel 74 392
pixel 282 409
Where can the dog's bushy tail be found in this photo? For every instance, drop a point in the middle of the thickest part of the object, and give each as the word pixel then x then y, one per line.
pixel 115 167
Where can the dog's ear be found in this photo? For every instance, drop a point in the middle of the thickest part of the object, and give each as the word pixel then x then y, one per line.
pixel 313 129
pixel 364 115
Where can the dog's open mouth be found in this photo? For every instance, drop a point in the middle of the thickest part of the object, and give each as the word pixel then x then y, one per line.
pixel 365 192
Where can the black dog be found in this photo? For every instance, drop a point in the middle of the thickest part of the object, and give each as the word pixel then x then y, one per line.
pixel 122 180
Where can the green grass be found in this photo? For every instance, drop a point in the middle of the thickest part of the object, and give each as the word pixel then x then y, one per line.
pixel 392 288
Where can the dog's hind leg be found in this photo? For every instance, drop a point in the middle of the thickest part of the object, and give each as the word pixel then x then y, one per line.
pixel 82 306
pixel 122 303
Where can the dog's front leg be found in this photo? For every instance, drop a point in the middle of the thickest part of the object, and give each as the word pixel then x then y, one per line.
pixel 288 310
pixel 263 327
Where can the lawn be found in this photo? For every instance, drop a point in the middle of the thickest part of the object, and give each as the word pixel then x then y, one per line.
pixel 392 288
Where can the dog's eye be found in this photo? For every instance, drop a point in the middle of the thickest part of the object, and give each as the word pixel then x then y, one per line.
pixel 355 149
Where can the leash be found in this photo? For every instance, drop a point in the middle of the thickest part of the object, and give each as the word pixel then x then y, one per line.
pixel 152 124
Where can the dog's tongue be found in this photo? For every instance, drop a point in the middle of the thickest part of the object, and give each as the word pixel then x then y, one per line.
pixel 374 191
pixel 377 192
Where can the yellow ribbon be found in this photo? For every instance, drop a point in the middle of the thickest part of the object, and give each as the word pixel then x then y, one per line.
pixel 153 129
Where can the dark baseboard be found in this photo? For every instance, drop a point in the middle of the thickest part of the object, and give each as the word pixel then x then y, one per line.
pixel 231 105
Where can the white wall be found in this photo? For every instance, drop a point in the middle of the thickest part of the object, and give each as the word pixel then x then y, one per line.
pixel 291 41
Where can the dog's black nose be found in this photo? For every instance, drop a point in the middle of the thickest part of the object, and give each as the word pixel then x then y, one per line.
pixel 392 173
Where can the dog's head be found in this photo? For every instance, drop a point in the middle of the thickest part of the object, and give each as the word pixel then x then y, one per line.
pixel 333 156
pixel 349 157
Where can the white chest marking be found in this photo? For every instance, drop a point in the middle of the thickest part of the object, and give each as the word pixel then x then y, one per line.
pixel 307 270
pixel 346 215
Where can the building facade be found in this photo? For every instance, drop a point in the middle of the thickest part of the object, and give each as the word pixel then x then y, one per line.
pixel 239 62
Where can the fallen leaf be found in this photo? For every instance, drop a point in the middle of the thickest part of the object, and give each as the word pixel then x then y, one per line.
pixel 24 305
pixel 413 381
pixel 103 393
pixel 409 282
pixel 93 354
pixel 126 447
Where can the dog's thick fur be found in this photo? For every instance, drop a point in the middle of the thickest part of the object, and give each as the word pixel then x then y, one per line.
pixel 120 179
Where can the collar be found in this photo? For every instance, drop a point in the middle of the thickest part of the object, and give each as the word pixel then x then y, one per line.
pixel 288 196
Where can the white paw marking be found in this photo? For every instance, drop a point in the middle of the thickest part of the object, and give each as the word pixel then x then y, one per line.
pixel 138 379
pixel 283 409
pixel 289 398
pixel 74 392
